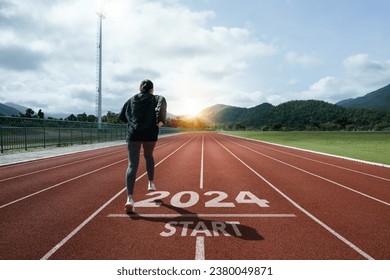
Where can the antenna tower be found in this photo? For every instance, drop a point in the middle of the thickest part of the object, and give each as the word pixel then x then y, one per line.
pixel 101 16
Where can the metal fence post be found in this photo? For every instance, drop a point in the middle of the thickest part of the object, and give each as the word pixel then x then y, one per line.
pixel 59 137
pixel 1 140
pixel 44 136
pixel 25 138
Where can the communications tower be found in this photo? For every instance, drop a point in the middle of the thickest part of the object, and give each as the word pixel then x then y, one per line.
pixel 101 15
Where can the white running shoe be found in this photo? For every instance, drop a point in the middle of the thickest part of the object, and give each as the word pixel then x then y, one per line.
pixel 151 186
pixel 129 206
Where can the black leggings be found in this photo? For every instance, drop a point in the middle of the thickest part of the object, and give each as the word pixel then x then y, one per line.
pixel 134 150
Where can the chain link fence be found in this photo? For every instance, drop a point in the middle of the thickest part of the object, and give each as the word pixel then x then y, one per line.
pixel 25 133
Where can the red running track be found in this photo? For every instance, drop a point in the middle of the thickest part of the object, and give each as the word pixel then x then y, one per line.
pixel 218 197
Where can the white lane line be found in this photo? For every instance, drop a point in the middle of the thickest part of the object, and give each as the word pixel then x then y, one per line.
pixel 199 248
pixel 76 230
pixel 58 166
pixel 314 160
pixel 71 163
pixel 315 175
pixel 67 181
pixel 201 164
pixel 59 184
pixel 93 215
pixel 47 156
pixel 318 221
pixel 202 215
pixel 314 152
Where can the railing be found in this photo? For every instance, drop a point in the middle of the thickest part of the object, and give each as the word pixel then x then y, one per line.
pixel 26 133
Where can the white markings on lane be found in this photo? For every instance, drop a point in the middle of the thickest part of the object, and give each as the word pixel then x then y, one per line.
pixel 312 174
pixel 329 164
pixel 59 184
pixel 58 166
pixel 201 216
pixel 201 164
pixel 67 181
pixel 194 228
pixel 93 215
pixel 320 153
pixel 217 199
pixel 199 248
pixel 340 237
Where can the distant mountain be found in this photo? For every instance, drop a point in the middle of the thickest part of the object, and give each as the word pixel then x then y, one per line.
pixel 8 111
pixel 170 116
pixel 296 115
pixel 376 100
pixel 292 112
pixel 370 112
pixel 18 107
pixel 222 113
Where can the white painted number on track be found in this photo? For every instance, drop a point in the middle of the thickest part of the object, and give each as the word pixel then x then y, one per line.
pixel 186 199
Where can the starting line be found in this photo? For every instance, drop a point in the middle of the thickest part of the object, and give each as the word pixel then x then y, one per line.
pixel 202 215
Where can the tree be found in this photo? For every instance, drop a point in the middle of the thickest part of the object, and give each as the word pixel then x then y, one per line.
pixel 40 114
pixel 91 118
pixel 111 117
pixel 71 118
pixel 82 117
pixel 29 113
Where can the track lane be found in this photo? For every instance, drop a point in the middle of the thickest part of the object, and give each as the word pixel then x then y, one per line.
pixel 25 234
pixel 304 231
pixel 136 237
pixel 377 187
pixel 284 236
pixel 17 188
pixel 7 172
pixel 359 219
pixel 17 170
pixel 31 227
pixel 25 187
pixel 336 161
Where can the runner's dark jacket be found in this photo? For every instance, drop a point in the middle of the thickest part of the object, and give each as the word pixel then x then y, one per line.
pixel 142 113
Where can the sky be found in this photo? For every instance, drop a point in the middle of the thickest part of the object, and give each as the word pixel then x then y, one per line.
pixel 198 53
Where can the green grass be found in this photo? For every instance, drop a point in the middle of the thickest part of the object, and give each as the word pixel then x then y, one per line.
pixel 368 146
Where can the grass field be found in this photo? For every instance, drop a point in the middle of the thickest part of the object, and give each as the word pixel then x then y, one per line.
pixel 368 146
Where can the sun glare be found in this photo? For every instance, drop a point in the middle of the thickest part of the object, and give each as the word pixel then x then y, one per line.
pixel 189 109
pixel 108 8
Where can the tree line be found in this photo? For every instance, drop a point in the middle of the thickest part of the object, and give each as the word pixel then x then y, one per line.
pixel 110 117
pixel 297 115
pixel 292 115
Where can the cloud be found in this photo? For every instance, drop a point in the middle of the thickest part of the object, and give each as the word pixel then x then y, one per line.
pixel 361 76
pixel 20 59
pixel 366 71
pixel 50 48
pixel 292 81
pixel 6 7
pixel 302 60
pixel 48 56
pixel 187 58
